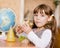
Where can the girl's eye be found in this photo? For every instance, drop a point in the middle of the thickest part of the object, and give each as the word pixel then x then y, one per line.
pixel 35 15
pixel 42 15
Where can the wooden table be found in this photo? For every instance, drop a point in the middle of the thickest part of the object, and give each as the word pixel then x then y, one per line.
pixel 16 44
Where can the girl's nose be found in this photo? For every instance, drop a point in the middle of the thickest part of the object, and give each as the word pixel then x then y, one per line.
pixel 38 17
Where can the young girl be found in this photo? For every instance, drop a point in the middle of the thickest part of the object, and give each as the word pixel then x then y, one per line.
pixel 43 33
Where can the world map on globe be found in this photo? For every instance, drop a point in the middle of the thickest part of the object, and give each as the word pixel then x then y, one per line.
pixel 7 19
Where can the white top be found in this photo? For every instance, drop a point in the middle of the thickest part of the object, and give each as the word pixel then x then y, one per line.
pixel 40 42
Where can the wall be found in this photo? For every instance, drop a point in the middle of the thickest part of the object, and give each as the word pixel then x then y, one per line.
pixel 57 15
pixel 13 4
pixel 29 5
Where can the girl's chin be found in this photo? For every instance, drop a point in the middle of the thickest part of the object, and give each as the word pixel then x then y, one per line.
pixel 39 26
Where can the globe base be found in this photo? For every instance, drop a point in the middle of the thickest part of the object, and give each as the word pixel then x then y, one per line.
pixel 3 36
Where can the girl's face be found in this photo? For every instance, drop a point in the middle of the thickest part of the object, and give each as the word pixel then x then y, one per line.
pixel 40 19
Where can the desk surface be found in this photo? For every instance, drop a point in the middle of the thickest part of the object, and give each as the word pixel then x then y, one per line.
pixel 4 43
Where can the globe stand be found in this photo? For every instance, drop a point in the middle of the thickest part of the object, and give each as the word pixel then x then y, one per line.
pixel 7 19
pixel 3 36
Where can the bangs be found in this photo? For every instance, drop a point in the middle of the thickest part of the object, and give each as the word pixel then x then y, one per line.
pixel 47 10
pixel 38 10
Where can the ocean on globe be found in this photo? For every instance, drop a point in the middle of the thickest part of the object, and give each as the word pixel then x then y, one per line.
pixel 7 19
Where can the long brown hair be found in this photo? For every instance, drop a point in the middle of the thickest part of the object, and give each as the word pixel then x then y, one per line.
pixel 51 24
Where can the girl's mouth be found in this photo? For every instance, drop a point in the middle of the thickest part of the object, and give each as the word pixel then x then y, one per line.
pixel 38 22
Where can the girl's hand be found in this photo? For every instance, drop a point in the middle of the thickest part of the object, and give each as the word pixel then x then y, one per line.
pixel 18 29
pixel 26 28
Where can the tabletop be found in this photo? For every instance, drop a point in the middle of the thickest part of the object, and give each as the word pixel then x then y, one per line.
pixel 15 44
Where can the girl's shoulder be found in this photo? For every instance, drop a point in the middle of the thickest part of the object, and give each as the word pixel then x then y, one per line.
pixel 47 32
pixel 43 32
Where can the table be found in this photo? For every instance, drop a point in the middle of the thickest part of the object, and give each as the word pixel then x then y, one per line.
pixel 16 44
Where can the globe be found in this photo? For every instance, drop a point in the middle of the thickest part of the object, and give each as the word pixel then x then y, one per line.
pixel 7 19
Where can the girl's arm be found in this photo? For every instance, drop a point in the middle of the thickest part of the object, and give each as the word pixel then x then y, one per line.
pixel 40 42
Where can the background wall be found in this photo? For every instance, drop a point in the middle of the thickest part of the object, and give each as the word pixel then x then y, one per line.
pixel 57 15
pixel 13 4
pixel 29 5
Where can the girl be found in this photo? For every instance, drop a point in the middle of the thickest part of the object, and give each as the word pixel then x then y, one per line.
pixel 44 28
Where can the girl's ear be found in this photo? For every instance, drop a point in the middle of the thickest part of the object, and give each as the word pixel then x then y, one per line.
pixel 50 18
